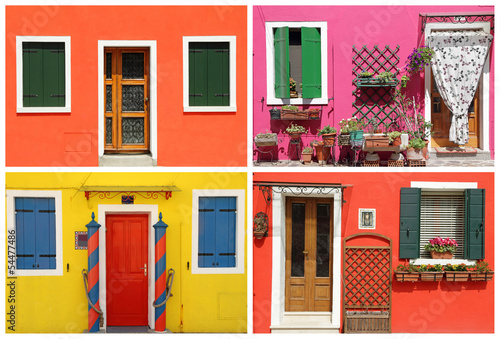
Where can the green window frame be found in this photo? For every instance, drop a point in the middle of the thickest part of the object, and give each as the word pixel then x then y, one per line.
pixel 410 212
pixel 43 74
pixel 209 74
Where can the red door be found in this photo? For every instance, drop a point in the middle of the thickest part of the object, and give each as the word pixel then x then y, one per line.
pixel 127 270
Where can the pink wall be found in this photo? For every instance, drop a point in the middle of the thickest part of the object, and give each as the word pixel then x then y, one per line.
pixel 347 26
pixel 421 307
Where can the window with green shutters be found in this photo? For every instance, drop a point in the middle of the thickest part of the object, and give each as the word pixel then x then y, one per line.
pixel 298 53
pixel 426 214
pixel 43 69
pixel 209 74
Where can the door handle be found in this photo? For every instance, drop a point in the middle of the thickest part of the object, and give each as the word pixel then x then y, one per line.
pixel 305 252
pixel 145 268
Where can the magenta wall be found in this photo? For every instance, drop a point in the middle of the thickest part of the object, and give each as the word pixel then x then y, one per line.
pixel 347 26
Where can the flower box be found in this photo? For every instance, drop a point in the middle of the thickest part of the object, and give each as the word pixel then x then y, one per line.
pixel 271 141
pixel 287 114
pixel 431 276
pixel 404 276
pixel 481 276
pixel 376 141
pixel 457 276
pixel 441 255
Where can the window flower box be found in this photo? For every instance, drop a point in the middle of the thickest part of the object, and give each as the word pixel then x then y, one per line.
pixel 457 276
pixel 405 276
pixel 481 276
pixel 431 276
pixel 287 114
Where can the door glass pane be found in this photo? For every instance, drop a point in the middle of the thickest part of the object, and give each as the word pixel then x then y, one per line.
pixel 109 98
pixel 109 128
pixel 298 238
pixel 436 105
pixel 133 65
pixel 133 98
pixel 323 240
pixel 108 66
pixel 133 130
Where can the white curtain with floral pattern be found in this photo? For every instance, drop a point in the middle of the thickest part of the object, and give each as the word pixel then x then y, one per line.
pixel 457 67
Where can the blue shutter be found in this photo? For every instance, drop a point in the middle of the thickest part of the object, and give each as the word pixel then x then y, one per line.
pixel 45 233
pixel 206 232
pixel 474 223
pixel 226 232
pixel 25 231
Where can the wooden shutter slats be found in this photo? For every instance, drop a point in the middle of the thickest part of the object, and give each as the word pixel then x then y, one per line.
pixel 475 228
pixel 311 62
pixel 409 231
pixel 281 63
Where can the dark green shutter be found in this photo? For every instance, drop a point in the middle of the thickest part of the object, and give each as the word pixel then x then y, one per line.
pixel 281 63
pixel 474 223
pixel 44 74
pixel 409 223
pixel 209 74
pixel 311 62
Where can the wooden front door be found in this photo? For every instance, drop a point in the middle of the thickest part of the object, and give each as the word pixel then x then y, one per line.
pixel 308 273
pixel 126 88
pixel 441 120
pixel 127 270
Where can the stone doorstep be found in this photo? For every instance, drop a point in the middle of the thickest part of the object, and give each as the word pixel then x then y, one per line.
pixel 129 160
pixel 479 155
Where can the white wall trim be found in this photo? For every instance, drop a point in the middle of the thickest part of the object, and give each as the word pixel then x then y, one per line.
pixel 11 226
pixel 271 99
pixel 279 254
pixel 19 74
pixel 153 98
pixel 152 211
pixel 484 84
pixel 240 231
pixel 232 73
pixel 438 186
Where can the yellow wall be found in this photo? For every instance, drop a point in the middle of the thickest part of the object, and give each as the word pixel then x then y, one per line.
pixel 200 303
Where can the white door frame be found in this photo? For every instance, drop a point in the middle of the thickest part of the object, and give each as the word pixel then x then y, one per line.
pixel 152 212
pixel 483 87
pixel 153 102
pixel 279 256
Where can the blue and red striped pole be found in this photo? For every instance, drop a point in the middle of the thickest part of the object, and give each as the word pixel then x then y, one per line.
pixel 160 274
pixel 93 272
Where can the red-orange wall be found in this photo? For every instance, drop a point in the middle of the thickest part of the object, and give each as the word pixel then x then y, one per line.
pixel 71 139
pixel 423 307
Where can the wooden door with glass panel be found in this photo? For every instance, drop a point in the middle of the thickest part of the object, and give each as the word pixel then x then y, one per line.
pixel 127 100
pixel 441 120
pixel 308 272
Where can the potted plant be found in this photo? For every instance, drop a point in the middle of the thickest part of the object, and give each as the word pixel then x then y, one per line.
pixel 275 113
pixel 295 131
pixel 307 154
pixel 407 272
pixel 344 139
pixel 355 128
pixel 313 113
pixel 481 272
pixel 431 272
pixel 414 151
pixel 322 152
pixel 395 138
pixel 385 77
pixel 328 134
pixel 456 272
pixel 441 248
pixel 260 225
pixel 266 139
pixel 418 59
pixel 404 80
pixel 365 74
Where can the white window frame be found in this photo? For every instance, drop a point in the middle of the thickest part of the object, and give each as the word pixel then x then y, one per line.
pixel 483 87
pixel 231 39
pixel 19 73
pixel 11 225
pixel 239 267
pixel 271 98
pixel 436 187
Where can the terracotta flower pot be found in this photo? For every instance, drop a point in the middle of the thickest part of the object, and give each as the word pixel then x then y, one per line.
pixel 295 136
pixel 425 151
pixel 329 139
pixel 307 157
pixel 441 255
pixel 396 141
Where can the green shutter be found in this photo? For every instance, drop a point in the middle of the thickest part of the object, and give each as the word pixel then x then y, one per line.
pixel 409 223
pixel 311 62
pixel 198 74
pixel 281 63
pixel 44 74
pixel 218 73
pixel 474 223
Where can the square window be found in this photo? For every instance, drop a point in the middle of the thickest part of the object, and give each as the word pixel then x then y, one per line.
pixel 209 74
pixel 43 74
pixel 218 232
pixel 296 63
pixel 34 223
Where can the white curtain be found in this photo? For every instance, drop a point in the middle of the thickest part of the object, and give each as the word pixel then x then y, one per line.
pixel 457 67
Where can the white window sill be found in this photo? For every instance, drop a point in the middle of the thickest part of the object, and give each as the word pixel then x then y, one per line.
pixel 210 109
pixel 297 101
pixel 441 261
pixel 43 109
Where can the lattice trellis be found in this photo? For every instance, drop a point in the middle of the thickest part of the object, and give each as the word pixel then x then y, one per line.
pixel 373 100
pixel 367 286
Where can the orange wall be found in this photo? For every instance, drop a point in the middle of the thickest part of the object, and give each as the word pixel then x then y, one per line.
pixel 71 139
pixel 423 307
